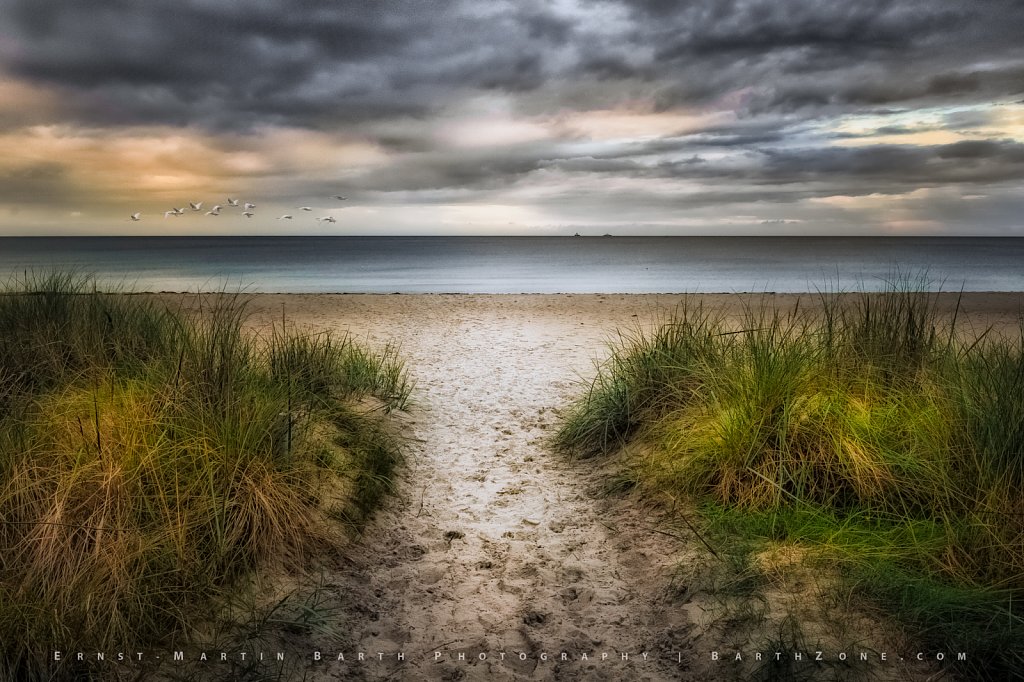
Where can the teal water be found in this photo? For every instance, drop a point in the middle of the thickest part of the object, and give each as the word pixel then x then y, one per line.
pixel 521 264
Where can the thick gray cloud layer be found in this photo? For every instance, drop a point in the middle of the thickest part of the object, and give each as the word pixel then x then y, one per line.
pixel 233 64
pixel 226 63
pixel 783 66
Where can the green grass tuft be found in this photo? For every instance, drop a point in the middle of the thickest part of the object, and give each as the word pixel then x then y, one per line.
pixel 150 459
pixel 865 427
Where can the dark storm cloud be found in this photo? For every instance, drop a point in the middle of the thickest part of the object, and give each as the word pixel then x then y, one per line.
pixel 888 130
pixel 860 170
pixel 228 64
pixel 810 55
pixel 859 86
pixel 722 137
pixel 316 63
pixel 773 174
pixel 1006 151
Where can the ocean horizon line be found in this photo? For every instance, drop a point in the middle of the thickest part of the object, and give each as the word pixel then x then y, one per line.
pixel 521 265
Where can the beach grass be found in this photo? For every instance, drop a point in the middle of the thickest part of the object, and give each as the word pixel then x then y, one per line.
pixel 151 458
pixel 868 429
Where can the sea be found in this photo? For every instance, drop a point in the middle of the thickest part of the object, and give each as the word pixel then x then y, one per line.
pixel 500 265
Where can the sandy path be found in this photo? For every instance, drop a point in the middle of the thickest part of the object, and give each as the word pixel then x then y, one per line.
pixel 493 545
pixel 494 556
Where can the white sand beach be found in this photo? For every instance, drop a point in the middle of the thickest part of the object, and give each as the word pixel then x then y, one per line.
pixel 491 544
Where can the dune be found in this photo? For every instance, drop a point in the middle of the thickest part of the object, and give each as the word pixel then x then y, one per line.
pixel 493 546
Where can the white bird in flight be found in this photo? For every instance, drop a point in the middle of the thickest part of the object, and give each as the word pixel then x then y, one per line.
pixel 232 202
pixel 305 208
pixel 214 211
pixel 136 216
pixel 195 206
pixel 327 218
pixel 249 206
pixel 248 214
pixel 285 217
pixel 174 212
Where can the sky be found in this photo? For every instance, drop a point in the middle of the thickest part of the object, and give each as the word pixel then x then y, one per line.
pixel 828 117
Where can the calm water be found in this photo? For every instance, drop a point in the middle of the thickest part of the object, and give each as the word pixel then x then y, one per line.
pixel 520 264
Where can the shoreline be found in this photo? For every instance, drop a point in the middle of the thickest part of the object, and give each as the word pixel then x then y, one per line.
pixel 941 293
pixel 374 314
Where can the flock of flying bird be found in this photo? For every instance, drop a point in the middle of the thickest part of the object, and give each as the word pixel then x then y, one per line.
pixel 234 203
